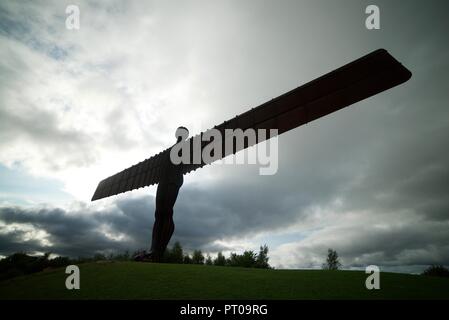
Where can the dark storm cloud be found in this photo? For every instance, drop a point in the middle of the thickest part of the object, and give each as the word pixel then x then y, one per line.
pixel 81 232
pixel 205 215
pixel 201 217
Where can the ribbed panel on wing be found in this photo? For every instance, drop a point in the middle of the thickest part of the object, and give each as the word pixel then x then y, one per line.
pixel 358 80
pixel 140 175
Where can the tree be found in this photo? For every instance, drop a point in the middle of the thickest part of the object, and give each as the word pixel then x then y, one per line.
pixel 233 260
pixel 177 255
pixel 197 257
pixel 262 258
pixel 436 271
pixel 220 260
pixel 209 260
pixel 247 259
pixel 332 261
pixel 20 263
pixel 187 259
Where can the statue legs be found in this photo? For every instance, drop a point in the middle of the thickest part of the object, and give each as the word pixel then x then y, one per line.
pixel 164 226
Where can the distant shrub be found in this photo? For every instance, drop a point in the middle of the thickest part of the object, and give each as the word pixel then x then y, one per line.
pixel 249 259
pixel 59 262
pixel 99 257
pixel 20 263
pixel 125 256
pixel 436 271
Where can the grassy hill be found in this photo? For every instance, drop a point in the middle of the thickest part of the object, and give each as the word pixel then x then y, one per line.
pixel 130 280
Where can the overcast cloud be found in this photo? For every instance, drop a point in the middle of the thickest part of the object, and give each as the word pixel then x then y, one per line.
pixel 370 181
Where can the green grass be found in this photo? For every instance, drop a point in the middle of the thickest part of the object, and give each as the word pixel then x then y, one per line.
pixel 131 280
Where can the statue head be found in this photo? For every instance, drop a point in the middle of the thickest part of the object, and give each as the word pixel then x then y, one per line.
pixel 181 134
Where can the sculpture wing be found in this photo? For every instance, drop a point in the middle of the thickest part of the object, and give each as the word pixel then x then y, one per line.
pixel 358 80
pixel 140 175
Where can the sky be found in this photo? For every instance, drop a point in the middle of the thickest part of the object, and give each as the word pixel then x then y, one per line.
pixel 370 181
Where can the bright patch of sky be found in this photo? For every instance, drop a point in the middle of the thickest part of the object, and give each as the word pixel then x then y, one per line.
pixel 20 188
